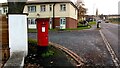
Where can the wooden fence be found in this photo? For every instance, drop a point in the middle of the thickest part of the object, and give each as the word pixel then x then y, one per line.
pixel 4 40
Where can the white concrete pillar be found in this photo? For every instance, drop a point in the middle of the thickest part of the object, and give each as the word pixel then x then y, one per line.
pixel 18 38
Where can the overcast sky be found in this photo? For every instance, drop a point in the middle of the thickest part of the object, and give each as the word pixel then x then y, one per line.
pixel 103 6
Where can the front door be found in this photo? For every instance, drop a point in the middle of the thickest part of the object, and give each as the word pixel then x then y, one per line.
pixel 62 23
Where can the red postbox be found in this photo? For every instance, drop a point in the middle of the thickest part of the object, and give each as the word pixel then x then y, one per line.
pixel 42 31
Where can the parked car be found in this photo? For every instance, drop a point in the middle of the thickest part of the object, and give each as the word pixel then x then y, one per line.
pixel 99 21
pixel 107 21
pixel 90 19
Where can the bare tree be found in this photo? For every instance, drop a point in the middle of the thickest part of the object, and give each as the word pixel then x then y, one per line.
pixel 16 6
pixel 81 10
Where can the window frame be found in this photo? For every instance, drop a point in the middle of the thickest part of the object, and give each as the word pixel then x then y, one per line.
pixel 62 7
pixel 50 7
pixel 5 10
pixel 31 21
pixel 42 8
pixel 32 8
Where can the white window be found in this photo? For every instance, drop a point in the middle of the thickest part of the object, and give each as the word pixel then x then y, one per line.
pixel 5 10
pixel 42 8
pixel 50 7
pixel 31 8
pixel 31 21
pixel 63 7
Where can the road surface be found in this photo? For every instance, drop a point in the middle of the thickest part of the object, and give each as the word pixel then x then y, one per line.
pixel 88 44
pixel 111 32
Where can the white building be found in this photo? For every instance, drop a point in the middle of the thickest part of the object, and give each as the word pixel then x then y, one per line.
pixel 64 13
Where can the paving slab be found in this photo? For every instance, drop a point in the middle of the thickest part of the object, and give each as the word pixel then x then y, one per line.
pixel 16 60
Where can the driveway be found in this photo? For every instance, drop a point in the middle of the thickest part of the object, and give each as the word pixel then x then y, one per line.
pixel 88 44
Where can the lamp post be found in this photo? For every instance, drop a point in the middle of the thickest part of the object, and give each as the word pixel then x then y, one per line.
pixel 93 10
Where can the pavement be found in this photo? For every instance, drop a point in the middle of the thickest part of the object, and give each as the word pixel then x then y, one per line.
pixel 16 60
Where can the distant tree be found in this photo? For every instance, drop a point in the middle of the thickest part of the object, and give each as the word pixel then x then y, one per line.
pixel 101 16
pixel 81 10
pixel 16 6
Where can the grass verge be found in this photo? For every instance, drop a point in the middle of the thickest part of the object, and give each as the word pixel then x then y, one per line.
pixel 80 27
pixel 32 30
pixel 92 23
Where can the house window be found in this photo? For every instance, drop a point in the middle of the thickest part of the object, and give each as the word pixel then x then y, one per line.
pixel 42 8
pixel 31 8
pixel 5 10
pixel 62 21
pixel 63 7
pixel 31 21
pixel 50 7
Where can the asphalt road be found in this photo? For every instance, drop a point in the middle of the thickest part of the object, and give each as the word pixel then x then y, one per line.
pixel 88 44
pixel 111 32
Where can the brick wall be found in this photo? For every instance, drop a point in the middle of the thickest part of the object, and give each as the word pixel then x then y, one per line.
pixel 71 23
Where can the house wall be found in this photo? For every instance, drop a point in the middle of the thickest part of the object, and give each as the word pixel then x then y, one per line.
pixel 59 13
pixel 70 14
pixel 48 14
pixel 57 22
pixel 70 11
pixel 71 23
pixel 45 14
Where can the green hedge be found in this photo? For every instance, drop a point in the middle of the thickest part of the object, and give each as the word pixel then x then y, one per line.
pixel 115 20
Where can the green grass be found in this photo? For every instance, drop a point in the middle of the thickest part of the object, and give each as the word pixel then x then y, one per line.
pixel 92 23
pixel 32 30
pixel 32 41
pixel 35 30
pixel 52 29
pixel 48 53
pixel 80 27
